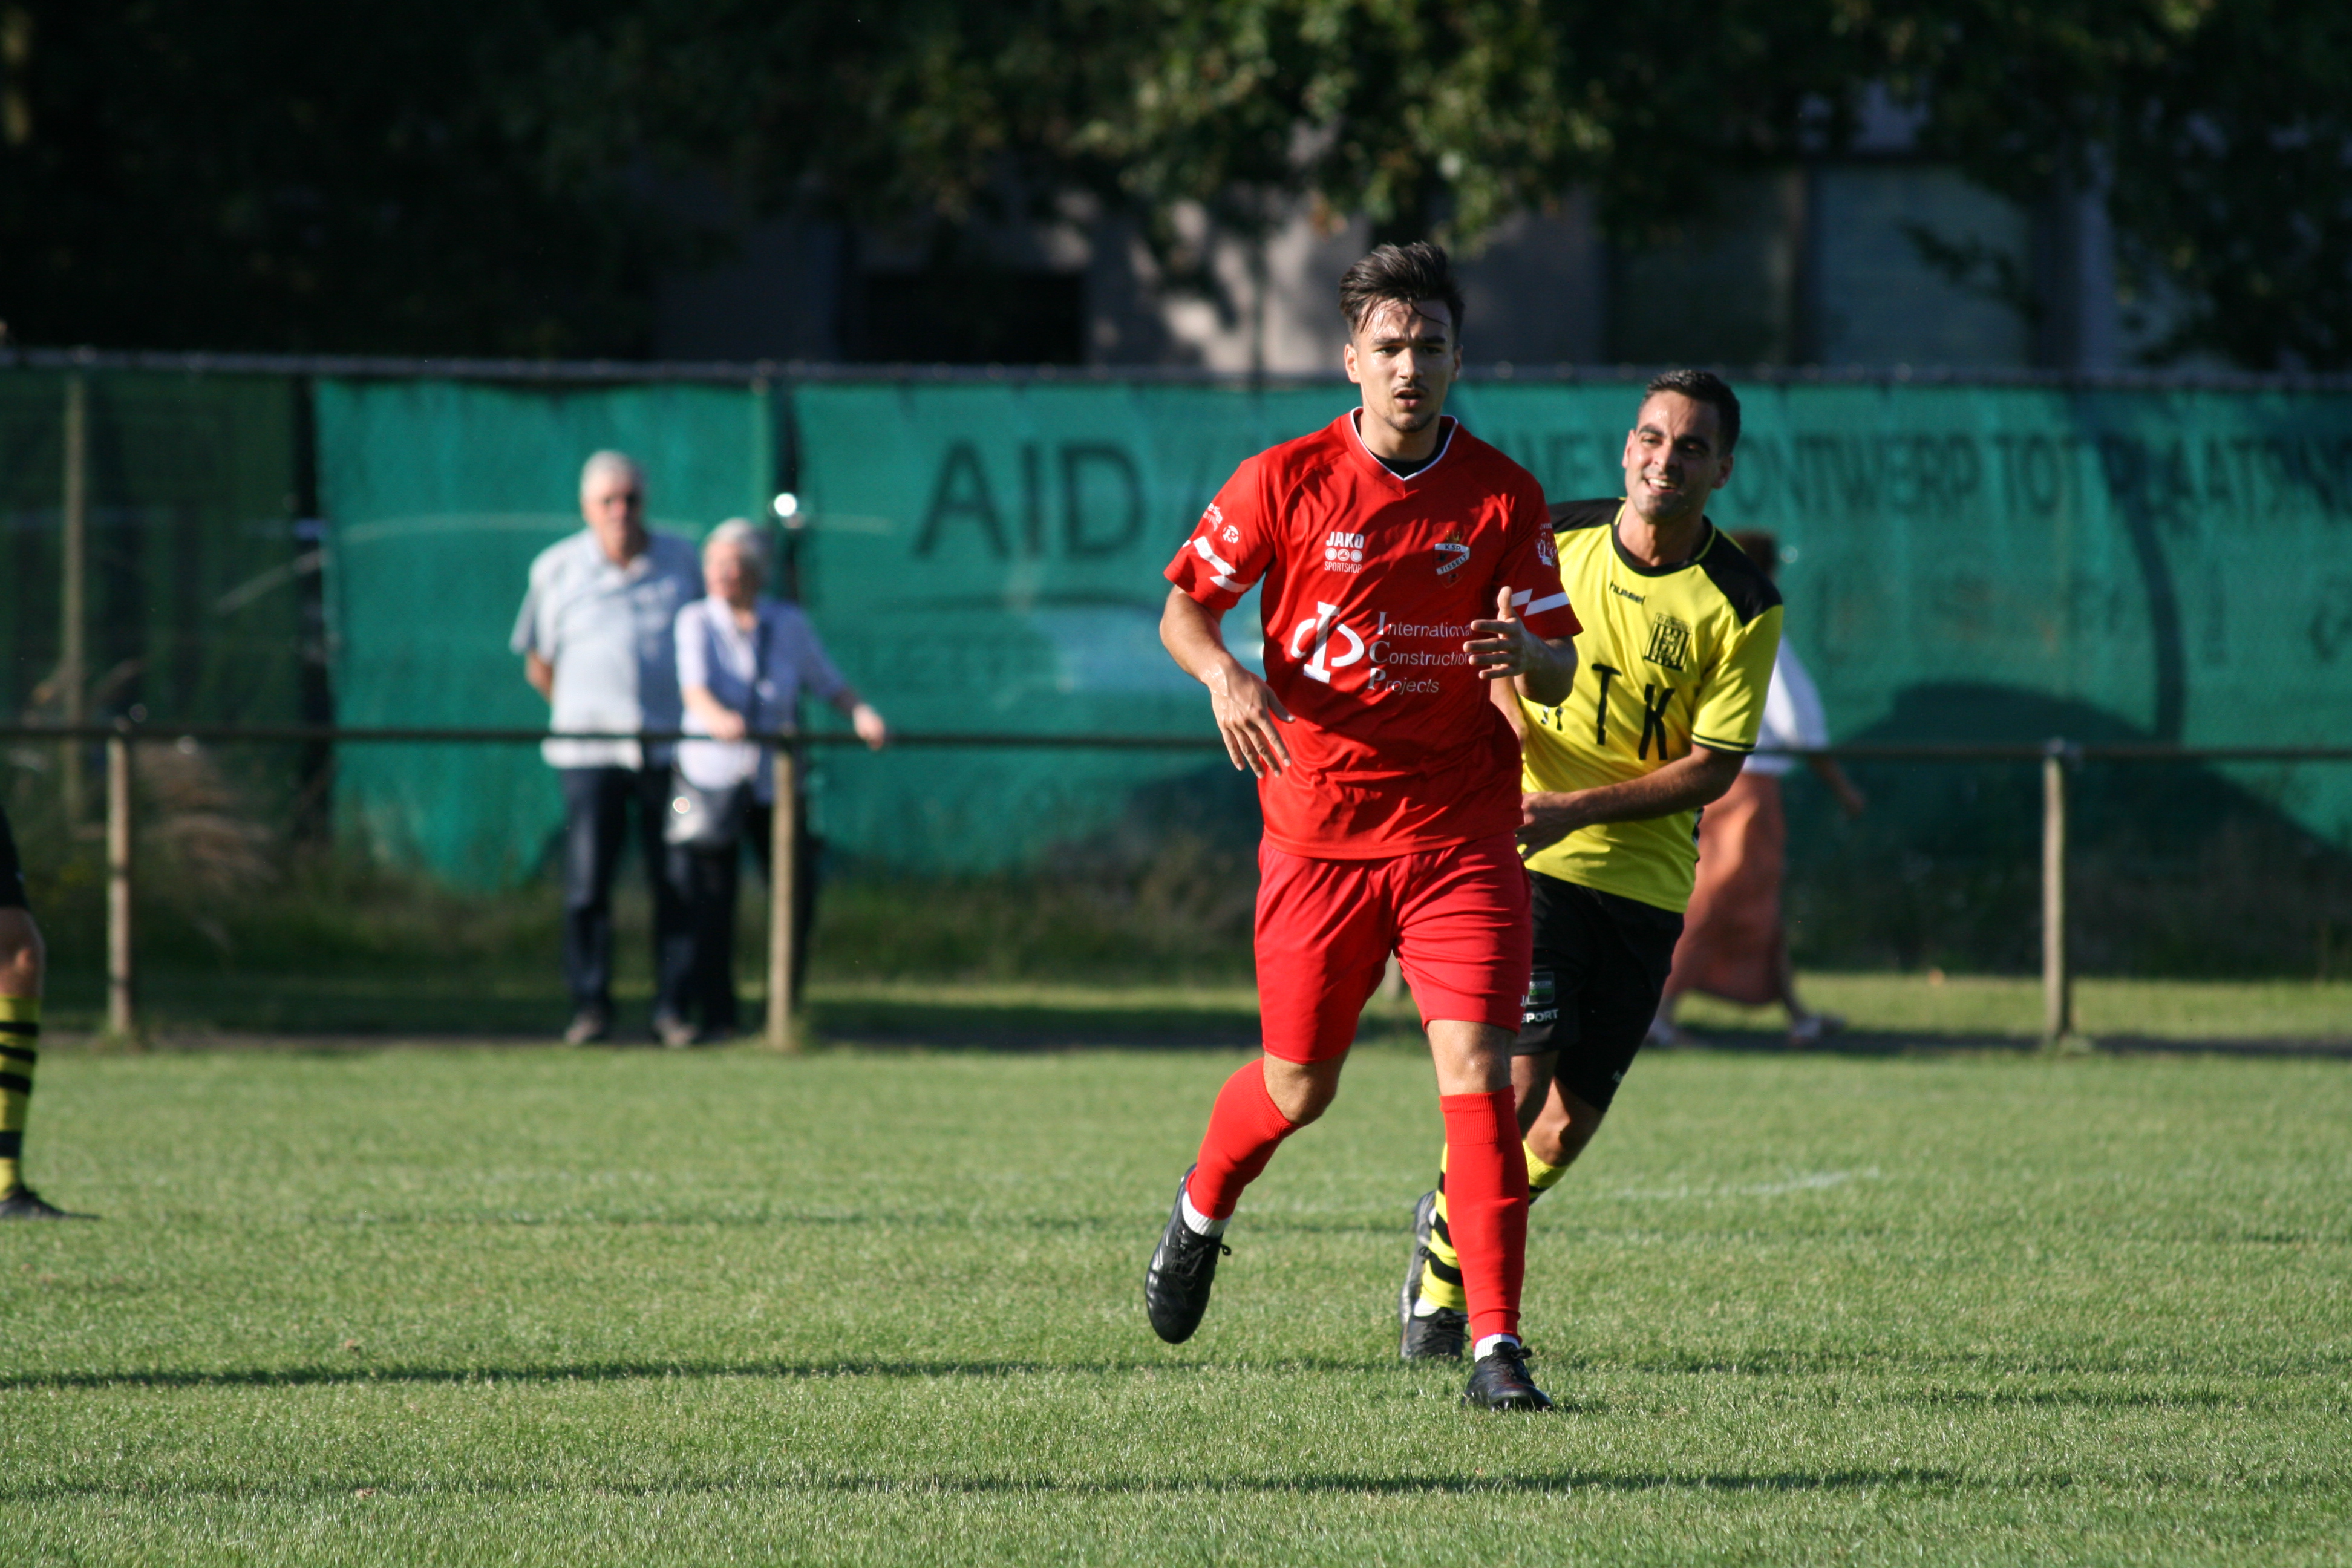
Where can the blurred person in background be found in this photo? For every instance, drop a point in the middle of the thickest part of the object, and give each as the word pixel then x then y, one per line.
pixel 1734 943
pixel 743 662
pixel 24 960
pixel 596 638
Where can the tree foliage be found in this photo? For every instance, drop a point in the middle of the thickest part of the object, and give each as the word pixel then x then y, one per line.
pixel 505 176
pixel 2219 132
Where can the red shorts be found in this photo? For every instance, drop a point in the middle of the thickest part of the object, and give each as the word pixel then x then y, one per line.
pixel 1456 918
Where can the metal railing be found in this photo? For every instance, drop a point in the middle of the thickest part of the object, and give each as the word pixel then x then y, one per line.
pixel 2056 759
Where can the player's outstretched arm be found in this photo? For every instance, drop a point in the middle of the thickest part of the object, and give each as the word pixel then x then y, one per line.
pixel 1503 648
pixel 1249 715
pixel 1699 779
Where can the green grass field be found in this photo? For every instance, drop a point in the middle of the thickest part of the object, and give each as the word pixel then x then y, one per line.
pixel 629 1306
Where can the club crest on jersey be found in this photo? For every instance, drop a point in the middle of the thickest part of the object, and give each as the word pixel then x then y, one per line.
pixel 1343 551
pixel 1544 550
pixel 1451 553
pixel 1669 643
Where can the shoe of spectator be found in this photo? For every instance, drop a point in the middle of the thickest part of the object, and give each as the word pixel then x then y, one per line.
pixel 675 1032
pixel 588 1025
pixel 1815 1027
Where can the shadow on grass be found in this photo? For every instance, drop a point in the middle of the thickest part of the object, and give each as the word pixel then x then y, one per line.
pixel 1875 1043
pixel 1018 1025
pixel 932 1485
pixel 359 1374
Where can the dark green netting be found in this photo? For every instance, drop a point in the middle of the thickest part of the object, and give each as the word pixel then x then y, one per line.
pixel 192 612
pixel 1964 564
pixel 439 494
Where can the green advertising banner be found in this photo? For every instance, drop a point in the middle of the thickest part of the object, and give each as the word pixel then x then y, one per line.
pixel 438 495
pixel 988 559
pixel 1962 563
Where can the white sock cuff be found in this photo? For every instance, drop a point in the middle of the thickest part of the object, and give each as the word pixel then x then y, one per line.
pixel 1198 1222
pixel 1486 1345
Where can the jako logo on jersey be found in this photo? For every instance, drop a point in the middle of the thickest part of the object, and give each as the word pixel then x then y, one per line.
pixel 1320 664
pixel 1343 551
pixel 1451 553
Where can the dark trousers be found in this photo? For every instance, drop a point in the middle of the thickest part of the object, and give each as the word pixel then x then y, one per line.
pixel 697 970
pixel 597 805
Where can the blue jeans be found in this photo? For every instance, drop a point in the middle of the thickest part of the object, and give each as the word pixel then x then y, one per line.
pixel 597 805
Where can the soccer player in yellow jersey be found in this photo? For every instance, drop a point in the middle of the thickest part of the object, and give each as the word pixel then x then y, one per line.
pixel 1673 665
pixel 23 961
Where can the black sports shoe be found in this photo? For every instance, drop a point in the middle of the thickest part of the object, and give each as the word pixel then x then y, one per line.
pixel 1183 1267
pixel 1500 1382
pixel 24 1203
pixel 1432 1336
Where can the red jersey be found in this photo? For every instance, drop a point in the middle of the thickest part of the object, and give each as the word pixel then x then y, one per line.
pixel 1371 583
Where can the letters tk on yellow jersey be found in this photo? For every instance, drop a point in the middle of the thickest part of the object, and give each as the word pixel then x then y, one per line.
pixel 1669 658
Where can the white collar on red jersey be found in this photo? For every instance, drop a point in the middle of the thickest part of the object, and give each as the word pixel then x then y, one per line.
pixel 1447 424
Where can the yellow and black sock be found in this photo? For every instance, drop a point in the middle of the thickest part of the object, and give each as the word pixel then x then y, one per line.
pixel 1441 1277
pixel 1542 1178
pixel 1440 1280
pixel 20 1051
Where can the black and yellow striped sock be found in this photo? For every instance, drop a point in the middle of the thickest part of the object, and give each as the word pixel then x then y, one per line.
pixel 1441 1279
pixel 20 1050
pixel 1541 1177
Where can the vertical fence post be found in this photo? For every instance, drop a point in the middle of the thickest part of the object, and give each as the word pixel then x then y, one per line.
pixel 73 592
pixel 784 873
pixel 122 1017
pixel 2057 979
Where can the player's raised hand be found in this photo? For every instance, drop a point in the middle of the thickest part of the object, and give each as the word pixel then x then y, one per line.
pixel 1249 716
pixel 1503 648
pixel 1499 647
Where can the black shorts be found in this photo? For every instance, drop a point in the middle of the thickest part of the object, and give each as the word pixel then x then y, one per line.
pixel 1601 964
pixel 12 870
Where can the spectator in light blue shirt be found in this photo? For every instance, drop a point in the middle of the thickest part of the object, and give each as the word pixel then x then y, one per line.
pixel 743 663
pixel 596 638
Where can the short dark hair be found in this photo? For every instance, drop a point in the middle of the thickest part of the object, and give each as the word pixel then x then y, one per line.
pixel 1409 273
pixel 1702 386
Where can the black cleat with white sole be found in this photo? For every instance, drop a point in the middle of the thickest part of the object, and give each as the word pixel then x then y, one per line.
pixel 1183 1267
pixel 1500 1382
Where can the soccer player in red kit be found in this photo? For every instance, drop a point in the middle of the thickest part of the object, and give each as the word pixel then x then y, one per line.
pixel 1405 565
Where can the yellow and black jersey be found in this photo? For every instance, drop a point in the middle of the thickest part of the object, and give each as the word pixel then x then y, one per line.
pixel 1669 658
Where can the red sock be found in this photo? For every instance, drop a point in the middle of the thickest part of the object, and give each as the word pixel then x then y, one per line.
pixel 1486 1206
pixel 1244 1130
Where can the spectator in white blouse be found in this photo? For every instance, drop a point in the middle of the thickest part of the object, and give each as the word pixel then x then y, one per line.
pixel 1734 943
pixel 743 663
